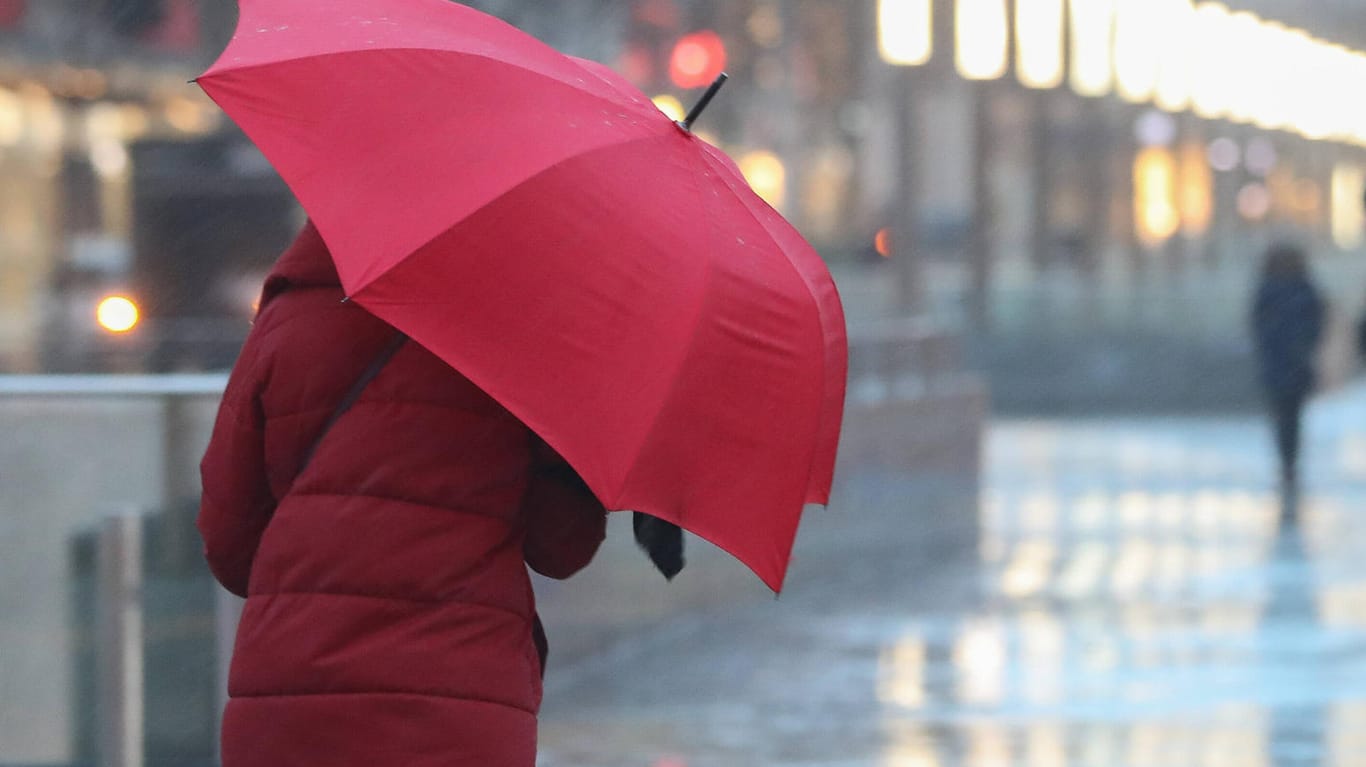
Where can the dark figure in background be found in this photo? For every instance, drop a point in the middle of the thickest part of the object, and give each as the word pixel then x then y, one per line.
pixel 1287 323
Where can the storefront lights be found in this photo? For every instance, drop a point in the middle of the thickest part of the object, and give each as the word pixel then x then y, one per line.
pixel 905 31
pixel 1093 23
pixel 1211 67
pixel 1173 92
pixel 1039 41
pixel 1139 39
pixel 982 34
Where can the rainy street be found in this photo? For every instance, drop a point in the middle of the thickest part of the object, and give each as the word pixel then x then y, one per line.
pixel 1127 597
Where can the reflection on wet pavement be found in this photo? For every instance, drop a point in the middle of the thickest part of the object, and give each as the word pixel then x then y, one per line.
pixel 1138 596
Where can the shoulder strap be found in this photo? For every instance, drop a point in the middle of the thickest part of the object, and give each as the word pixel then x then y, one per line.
pixel 353 394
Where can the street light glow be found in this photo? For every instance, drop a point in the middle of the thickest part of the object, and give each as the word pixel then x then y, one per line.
pixel 117 314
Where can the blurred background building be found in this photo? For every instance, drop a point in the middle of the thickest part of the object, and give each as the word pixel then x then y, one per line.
pixel 1079 187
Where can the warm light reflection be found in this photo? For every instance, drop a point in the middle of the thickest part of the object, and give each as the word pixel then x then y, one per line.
pixel 1028 571
pixel 1046 746
pixel 905 31
pixel 982 34
pixel 1134 566
pixel 1084 571
pixel 1156 217
pixel 1092 38
pixel 1348 193
pixel 911 752
pixel 1039 42
pixel 1346 728
pixel 1197 191
pixel 979 656
pixel 1043 648
pixel 901 673
pixel 988 745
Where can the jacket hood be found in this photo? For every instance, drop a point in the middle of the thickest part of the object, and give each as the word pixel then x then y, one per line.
pixel 307 263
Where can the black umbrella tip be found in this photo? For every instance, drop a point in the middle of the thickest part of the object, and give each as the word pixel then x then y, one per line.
pixel 686 122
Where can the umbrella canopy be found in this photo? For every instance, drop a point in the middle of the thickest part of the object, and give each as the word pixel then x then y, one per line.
pixel 535 221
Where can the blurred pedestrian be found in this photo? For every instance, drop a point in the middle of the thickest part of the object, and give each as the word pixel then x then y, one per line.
pixel 376 509
pixel 1287 323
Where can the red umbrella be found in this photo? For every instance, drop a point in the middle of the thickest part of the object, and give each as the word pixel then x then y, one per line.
pixel 538 223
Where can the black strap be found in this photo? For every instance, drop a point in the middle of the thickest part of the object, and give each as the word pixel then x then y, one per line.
pixel 353 394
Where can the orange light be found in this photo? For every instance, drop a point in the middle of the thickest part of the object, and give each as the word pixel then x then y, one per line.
pixel 883 242
pixel 117 314
pixel 697 60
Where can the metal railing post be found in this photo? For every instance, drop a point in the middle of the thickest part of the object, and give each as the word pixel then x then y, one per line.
pixel 119 654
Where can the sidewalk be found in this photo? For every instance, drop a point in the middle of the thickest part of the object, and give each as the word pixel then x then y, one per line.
pixel 1127 601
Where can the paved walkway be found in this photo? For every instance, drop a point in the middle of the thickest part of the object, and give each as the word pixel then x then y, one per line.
pixel 1128 599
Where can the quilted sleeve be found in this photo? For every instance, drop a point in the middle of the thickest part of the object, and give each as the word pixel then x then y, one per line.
pixel 237 503
pixel 565 522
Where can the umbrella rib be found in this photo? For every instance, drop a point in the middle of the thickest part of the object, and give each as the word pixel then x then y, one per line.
pixel 641 109
pixel 820 421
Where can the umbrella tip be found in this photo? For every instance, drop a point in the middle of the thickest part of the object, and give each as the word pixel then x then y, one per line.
pixel 686 122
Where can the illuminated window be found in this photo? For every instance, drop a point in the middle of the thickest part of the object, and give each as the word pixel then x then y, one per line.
pixel 1039 42
pixel 1139 40
pixel 1093 24
pixel 905 31
pixel 1174 63
pixel 982 35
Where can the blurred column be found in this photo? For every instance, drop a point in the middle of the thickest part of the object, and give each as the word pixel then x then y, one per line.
pixel 905 254
pixel 983 37
pixel 910 38
pixel 983 215
pixel 119 652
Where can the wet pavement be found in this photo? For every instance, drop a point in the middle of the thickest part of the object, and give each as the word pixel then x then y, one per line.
pixel 1124 594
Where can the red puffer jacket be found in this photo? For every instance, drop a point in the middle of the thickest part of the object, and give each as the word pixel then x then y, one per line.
pixel 389 611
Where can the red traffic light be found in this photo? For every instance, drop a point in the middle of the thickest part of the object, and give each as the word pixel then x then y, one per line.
pixel 697 59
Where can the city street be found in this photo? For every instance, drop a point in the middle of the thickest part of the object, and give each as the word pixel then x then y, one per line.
pixel 1128 600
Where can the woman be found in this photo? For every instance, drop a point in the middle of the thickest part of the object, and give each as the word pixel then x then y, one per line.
pixel 389 616
pixel 1287 321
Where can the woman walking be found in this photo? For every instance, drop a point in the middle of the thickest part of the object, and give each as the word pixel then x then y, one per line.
pixel 1287 323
